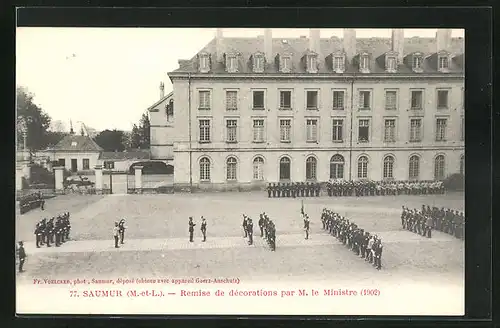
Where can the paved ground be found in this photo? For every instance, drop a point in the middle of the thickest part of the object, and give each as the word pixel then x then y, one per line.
pixel 157 245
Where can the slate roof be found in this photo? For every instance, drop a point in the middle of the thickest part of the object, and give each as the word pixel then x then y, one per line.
pixel 77 143
pixel 298 47
pixel 126 155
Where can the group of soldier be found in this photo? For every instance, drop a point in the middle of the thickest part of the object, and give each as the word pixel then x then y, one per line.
pixel 293 189
pixel 54 231
pixel 361 242
pixel 203 229
pixel 31 201
pixel 424 221
pixel 383 188
pixel 119 232
pixel 266 227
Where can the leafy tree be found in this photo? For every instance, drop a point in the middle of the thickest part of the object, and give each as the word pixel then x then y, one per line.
pixel 33 119
pixel 110 140
pixel 135 138
pixel 145 131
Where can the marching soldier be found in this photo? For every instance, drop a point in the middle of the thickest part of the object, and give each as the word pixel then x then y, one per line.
pixel 122 228
pixel 191 229
pixel 250 231
pixel 21 253
pixel 116 232
pixel 306 226
pixel 244 224
pixel 204 228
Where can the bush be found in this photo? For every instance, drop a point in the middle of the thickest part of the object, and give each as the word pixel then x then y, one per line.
pixel 454 182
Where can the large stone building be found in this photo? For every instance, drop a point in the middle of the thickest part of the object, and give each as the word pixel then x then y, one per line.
pixel 255 110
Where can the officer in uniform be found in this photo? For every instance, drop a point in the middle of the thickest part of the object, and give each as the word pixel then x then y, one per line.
pixel 250 231
pixel 274 189
pixel 191 229
pixel 116 232
pixel 278 190
pixel 49 232
pixel 306 226
pixel 294 189
pixel 378 254
pixel 204 228
pixel 261 224
pixel 57 231
pixel 122 228
pixel 269 190
pixel 244 225
pixel 21 253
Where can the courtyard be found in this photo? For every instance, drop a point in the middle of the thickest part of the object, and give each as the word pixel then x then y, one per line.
pixel 157 245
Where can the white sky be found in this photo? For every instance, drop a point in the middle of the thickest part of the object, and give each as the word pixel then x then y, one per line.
pixel 115 73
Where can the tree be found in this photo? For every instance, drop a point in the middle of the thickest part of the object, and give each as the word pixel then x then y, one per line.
pixel 145 132
pixel 31 118
pixel 110 140
pixel 135 138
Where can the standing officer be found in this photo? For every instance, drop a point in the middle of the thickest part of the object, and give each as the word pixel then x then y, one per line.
pixel 204 228
pixel 278 190
pixel 268 190
pixel 122 228
pixel 274 190
pixel 116 231
pixel 191 229
pixel 306 226
pixel 38 235
pixel 261 224
pixel 58 231
pixel 22 256
pixel 244 224
pixel 250 231
pixel 378 254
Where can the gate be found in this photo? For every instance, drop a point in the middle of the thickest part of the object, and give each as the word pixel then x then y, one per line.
pixel 131 183
pixel 158 183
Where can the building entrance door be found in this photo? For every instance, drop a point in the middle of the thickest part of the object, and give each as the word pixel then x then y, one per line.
pixel 73 165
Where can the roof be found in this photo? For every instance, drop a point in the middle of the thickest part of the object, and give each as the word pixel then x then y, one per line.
pixel 77 143
pixel 126 155
pixel 152 107
pixel 298 47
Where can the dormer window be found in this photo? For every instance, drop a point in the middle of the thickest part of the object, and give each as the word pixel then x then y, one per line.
pixel 443 62
pixel 390 64
pixel 417 61
pixel 231 63
pixel 312 63
pixel 339 64
pixel 204 63
pixel 364 63
pixel 73 144
pixel 258 63
pixel 285 64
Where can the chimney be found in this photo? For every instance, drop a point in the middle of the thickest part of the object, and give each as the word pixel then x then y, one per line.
pixel 219 46
pixel 398 40
pixel 162 90
pixel 443 39
pixel 268 45
pixel 349 43
pixel 314 40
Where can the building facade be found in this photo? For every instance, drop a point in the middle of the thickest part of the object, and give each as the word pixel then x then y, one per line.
pixel 252 111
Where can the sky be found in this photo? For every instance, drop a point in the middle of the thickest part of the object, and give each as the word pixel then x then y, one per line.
pixel 108 77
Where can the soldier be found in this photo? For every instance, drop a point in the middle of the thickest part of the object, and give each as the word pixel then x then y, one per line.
pixel 318 189
pixel 38 235
pixel 403 217
pixel 250 231
pixel 21 253
pixel 67 227
pixel 244 225
pixel 278 189
pixel 49 230
pixel 306 226
pixel 204 228
pixel 191 229
pixel 272 236
pixel 274 189
pixel 364 244
pixel 261 225
pixel 378 254
pixel 57 231
pixel 116 231
pixel 369 249
pixel 122 228
pixel 268 190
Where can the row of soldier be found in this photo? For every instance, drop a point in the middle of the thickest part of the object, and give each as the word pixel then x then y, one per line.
pixel 54 231
pixel 266 227
pixel 30 202
pixel 362 243
pixel 383 188
pixel 417 222
pixel 293 189
pixel 446 220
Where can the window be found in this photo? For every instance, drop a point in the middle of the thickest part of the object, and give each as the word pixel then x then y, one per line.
pixel 204 169
pixel 337 132
pixel 441 129
pixel 312 130
pixel 61 162
pixel 204 130
pixel 285 64
pixel 442 99
pixel 86 164
pixel 204 63
pixel 462 165
pixel 337 167
pixel 391 97
pixel 170 110
pixel 311 165
pixel 390 130
pixel 363 63
pixel 363 167
pixel 443 62
pixel 414 168
pixel 231 126
pixel 388 167
pixel 415 130
pixel 285 168
pixel 439 168
pixel 339 64
pixel 364 131
pixel 232 64
pixel 231 100
pixel 258 168
pixel 231 168
pixel 312 99
pixel 110 165
pixel 258 64
pixel 312 65
pixel 258 100
pixel 416 99
pixel 462 128
pixel 258 130
pixel 338 100
pixel 285 99
pixel 285 130
pixel 391 64
pixel 417 62
pixel 364 100
pixel 205 100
